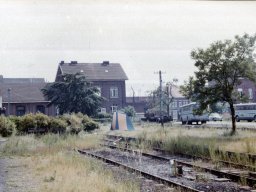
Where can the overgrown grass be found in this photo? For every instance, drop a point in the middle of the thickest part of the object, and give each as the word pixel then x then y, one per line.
pixel 52 159
pixel 70 172
pixel 205 142
pixel 47 144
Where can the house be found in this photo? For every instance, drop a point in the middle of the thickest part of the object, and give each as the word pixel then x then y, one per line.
pixel 108 77
pixel 178 100
pixel 247 88
pixel 23 95
pixel 139 103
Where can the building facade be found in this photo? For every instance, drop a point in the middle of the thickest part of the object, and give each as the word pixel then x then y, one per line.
pixel 247 88
pixel 178 101
pixel 139 103
pixel 21 96
pixel 109 78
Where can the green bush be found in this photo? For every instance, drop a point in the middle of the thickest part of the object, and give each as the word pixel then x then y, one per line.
pixel 27 122
pixel 90 126
pixel 74 123
pixel 41 121
pixel 17 121
pixel 38 122
pixel 7 127
pixel 129 110
pixel 57 125
pixel 103 115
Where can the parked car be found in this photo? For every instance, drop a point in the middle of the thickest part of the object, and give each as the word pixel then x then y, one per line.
pixel 215 117
pixel 165 119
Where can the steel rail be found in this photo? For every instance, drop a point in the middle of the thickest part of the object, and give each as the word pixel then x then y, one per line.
pixel 227 163
pixel 234 177
pixel 251 157
pixel 143 173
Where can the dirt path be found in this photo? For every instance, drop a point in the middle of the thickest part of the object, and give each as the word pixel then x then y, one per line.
pixel 15 174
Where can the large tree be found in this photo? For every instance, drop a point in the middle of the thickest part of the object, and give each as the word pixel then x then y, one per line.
pixel 73 94
pixel 220 69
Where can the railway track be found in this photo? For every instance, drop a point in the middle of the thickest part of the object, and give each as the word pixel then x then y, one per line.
pixel 251 181
pixel 140 172
pixel 231 155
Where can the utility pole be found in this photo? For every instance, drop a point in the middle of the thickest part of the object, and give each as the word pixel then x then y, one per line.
pixel 161 98
pixel 9 100
pixel 133 99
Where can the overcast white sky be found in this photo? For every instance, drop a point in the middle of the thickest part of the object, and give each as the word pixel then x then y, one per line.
pixel 145 36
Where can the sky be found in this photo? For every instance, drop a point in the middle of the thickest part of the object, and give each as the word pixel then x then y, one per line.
pixel 144 36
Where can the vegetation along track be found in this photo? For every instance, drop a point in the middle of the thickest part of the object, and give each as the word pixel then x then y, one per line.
pixel 234 177
pixel 231 155
pixel 143 173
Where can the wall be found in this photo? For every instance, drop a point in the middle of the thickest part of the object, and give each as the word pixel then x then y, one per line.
pixel 105 92
pixel 30 108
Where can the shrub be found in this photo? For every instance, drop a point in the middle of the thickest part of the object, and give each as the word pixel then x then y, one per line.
pixel 103 115
pixel 129 110
pixel 27 122
pixel 74 123
pixel 17 121
pixel 90 126
pixel 7 127
pixel 41 121
pixel 38 122
pixel 57 125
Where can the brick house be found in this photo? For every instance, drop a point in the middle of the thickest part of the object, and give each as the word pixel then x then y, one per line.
pixel 108 77
pixel 23 96
pixel 247 88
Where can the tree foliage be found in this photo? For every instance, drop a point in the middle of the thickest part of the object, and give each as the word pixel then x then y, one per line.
pixel 73 94
pixel 129 110
pixel 153 100
pixel 220 69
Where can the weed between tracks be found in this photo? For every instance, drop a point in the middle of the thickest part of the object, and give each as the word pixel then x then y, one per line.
pixel 55 166
pixel 197 141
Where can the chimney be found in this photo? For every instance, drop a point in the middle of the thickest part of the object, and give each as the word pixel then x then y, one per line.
pixel 73 63
pixel 105 63
pixel 62 63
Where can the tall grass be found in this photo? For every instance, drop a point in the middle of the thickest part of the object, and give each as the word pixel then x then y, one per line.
pixel 202 143
pixel 69 172
pixel 47 144
pixel 59 168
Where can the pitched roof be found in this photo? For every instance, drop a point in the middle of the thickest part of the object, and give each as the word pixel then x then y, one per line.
pixel 22 92
pixel 22 80
pixel 95 71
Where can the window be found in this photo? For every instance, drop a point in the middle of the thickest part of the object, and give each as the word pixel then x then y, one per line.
pixel 114 108
pixel 250 93
pixel 40 109
pixel 20 110
pixel 240 91
pixel 174 104
pixel 103 110
pixel 180 103
pixel 113 92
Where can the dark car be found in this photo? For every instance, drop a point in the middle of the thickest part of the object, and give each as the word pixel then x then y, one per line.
pixel 165 119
